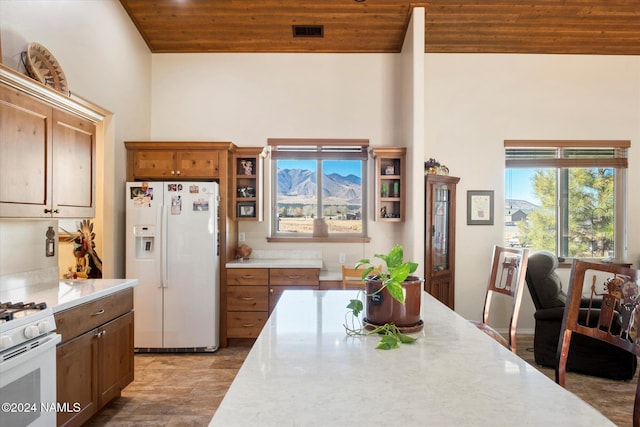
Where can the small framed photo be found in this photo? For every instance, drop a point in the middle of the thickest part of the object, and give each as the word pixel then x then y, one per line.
pixel 480 207
pixel 389 170
pixel 246 210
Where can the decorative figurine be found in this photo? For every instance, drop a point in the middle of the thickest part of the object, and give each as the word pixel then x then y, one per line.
pixel 247 165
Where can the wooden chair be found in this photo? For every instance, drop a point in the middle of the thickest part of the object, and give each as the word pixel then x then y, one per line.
pixel 615 322
pixel 352 278
pixel 508 269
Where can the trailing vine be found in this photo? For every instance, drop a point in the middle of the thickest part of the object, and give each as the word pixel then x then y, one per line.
pixel 391 335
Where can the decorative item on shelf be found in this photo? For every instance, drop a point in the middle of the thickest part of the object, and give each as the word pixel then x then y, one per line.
pixel 88 263
pixel 431 166
pixel 383 190
pixel 396 189
pixel 389 170
pixel 243 251
pixel 246 191
pixel 42 66
pixel 247 166
pixel 443 170
pixel 393 299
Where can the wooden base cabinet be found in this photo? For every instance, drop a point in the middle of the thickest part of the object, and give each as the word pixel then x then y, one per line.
pixel 94 367
pixel 252 294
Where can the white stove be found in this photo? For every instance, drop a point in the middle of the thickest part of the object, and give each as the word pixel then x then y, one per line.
pixel 27 365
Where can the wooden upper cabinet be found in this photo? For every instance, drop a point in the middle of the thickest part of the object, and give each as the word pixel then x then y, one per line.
pixel 169 161
pixel 25 168
pixel 47 159
pixel 390 183
pixel 74 159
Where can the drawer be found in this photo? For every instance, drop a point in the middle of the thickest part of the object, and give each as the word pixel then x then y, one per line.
pixel 245 324
pixel 84 317
pixel 247 298
pixel 294 276
pixel 247 276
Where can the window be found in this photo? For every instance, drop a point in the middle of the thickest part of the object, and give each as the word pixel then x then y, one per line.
pixel 567 197
pixel 318 189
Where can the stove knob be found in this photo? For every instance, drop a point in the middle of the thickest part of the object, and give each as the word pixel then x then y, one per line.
pixel 44 327
pixel 5 341
pixel 31 331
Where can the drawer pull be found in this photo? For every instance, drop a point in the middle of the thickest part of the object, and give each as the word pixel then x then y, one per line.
pixel 248 325
pixel 97 313
pixel 101 333
pixel 293 276
pixel 247 298
pixel 247 276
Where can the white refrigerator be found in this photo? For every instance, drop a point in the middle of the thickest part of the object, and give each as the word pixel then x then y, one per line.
pixel 172 249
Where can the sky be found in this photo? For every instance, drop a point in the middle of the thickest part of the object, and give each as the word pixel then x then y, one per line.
pixel 517 185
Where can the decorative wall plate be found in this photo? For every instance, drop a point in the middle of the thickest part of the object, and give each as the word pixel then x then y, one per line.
pixel 43 67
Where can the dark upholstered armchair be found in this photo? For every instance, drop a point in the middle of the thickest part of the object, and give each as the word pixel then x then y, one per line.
pixel 587 356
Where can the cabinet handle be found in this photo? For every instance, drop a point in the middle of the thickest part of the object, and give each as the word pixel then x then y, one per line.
pixel 248 325
pixel 271 290
pixel 97 313
pixel 48 211
pixel 293 276
pixel 173 172
pixel 99 334
pixel 247 276
pixel 178 173
pixel 247 298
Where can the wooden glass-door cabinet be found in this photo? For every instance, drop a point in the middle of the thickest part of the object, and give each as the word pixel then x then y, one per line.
pixel 440 227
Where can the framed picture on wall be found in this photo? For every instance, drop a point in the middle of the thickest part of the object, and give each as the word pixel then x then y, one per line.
pixel 480 207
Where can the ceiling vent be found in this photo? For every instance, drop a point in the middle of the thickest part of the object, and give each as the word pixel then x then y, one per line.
pixel 308 30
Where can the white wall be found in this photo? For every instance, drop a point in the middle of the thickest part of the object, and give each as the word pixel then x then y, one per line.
pixel 475 102
pixel 248 98
pixel 105 61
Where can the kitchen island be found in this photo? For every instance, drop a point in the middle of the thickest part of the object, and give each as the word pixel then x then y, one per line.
pixel 304 371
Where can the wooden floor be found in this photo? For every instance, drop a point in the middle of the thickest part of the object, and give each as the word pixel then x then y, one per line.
pixel 185 389
pixel 174 389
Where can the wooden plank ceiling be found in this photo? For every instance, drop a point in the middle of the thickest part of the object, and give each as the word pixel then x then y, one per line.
pixel 595 27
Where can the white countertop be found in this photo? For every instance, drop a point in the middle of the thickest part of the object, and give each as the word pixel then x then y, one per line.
pixel 261 258
pixel 69 293
pixel 275 263
pixel 304 371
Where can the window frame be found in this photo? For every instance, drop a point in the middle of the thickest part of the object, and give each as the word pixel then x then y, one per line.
pixel 617 160
pixel 318 150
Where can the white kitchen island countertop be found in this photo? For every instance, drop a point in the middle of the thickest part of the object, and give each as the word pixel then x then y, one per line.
pixel 69 293
pixel 304 371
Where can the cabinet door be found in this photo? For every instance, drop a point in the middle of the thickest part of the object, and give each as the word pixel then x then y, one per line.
pixel 25 141
pixel 76 378
pixel 197 164
pixel 154 164
pixel 74 146
pixel 115 357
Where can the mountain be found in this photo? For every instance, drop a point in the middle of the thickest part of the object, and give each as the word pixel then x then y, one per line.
pixel 299 186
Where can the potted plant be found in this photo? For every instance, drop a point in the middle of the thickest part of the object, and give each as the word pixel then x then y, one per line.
pixel 392 299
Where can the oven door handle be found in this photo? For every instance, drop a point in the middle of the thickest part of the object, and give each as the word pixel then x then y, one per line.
pixel 46 344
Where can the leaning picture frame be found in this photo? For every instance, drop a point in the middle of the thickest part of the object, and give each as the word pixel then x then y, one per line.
pixel 246 210
pixel 480 207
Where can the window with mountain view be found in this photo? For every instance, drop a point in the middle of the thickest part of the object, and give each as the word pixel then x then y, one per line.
pixel 566 197
pixel 318 190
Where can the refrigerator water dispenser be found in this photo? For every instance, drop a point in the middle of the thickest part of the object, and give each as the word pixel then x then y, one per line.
pixel 145 238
